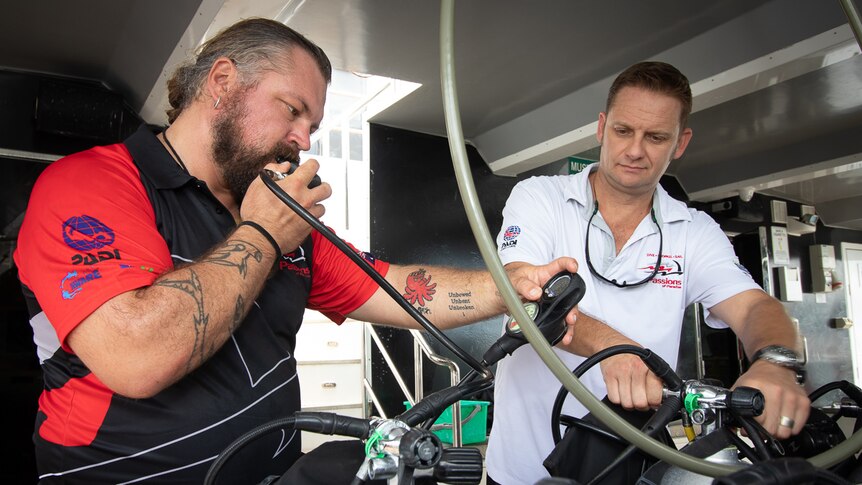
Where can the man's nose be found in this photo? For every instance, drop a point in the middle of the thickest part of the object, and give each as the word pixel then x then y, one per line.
pixel 300 135
pixel 635 149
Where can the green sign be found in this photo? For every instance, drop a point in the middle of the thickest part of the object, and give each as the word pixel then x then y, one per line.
pixel 577 165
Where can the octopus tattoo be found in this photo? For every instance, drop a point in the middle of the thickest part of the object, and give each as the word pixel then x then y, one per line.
pixel 418 289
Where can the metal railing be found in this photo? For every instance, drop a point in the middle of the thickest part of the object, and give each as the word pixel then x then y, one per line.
pixel 421 349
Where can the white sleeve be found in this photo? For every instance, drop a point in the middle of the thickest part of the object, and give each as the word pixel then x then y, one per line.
pixel 527 231
pixel 714 272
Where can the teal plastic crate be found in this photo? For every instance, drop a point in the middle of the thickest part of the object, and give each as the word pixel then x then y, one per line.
pixel 474 423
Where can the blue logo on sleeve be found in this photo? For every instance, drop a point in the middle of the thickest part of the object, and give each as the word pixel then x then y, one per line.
pixel 73 282
pixel 511 233
pixel 85 233
pixel 510 237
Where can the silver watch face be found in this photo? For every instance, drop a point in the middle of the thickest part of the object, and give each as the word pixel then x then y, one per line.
pixel 780 355
pixel 784 357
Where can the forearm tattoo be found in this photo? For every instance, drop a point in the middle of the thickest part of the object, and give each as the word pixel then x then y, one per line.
pixel 238 313
pixel 461 301
pixel 419 289
pixel 192 287
pixel 224 255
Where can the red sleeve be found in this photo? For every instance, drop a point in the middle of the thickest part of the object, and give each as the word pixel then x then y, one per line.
pixel 89 234
pixel 338 285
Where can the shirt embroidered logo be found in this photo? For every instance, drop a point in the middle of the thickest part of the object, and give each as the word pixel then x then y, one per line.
pixel 296 263
pixel 72 284
pixel 510 236
pixel 85 233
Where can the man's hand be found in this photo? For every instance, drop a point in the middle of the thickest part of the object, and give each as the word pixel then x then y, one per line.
pixel 630 383
pixel 528 281
pixel 287 227
pixel 760 320
pixel 785 401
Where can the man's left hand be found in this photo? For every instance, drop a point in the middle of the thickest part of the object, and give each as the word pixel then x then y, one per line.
pixel 786 405
pixel 528 280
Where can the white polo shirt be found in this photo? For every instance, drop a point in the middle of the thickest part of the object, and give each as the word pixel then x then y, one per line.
pixel 546 218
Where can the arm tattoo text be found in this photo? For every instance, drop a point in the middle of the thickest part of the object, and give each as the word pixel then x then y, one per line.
pixel 461 300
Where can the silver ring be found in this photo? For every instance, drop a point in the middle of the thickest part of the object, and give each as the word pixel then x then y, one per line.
pixel 275 175
pixel 786 422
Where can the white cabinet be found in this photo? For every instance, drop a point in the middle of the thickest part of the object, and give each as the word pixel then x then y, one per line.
pixel 325 385
pixel 324 341
pixel 331 370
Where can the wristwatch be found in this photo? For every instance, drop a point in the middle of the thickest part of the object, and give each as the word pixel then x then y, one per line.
pixel 779 355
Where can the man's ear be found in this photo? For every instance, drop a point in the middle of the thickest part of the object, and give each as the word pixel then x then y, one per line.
pixel 221 78
pixel 600 130
pixel 681 145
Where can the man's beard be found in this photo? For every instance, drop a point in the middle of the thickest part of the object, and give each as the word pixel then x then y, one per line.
pixel 239 163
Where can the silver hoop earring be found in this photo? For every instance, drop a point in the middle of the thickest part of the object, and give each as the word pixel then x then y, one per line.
pixel 217 101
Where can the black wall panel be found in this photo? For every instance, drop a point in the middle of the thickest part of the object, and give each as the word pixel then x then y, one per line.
pixel 54 115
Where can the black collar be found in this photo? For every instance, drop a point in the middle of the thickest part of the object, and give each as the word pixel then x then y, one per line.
pixel 153 159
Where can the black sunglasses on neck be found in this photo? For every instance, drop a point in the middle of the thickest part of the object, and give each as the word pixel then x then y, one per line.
pixel 613 281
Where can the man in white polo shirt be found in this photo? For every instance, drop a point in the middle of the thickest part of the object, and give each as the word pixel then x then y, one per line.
pixel 644 257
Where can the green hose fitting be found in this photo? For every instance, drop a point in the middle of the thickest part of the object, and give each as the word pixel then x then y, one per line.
pixel 690 402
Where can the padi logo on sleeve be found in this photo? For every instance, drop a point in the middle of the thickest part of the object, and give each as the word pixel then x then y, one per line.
pixel 73 282
pixel 93 258
pixel 85 233
pixel 88 234
pixel 510 237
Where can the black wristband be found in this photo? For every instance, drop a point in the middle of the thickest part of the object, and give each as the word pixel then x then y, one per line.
pixel 266 234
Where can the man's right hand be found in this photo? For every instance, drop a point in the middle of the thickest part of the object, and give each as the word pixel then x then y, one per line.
pixel 286 226
pixel 630 383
